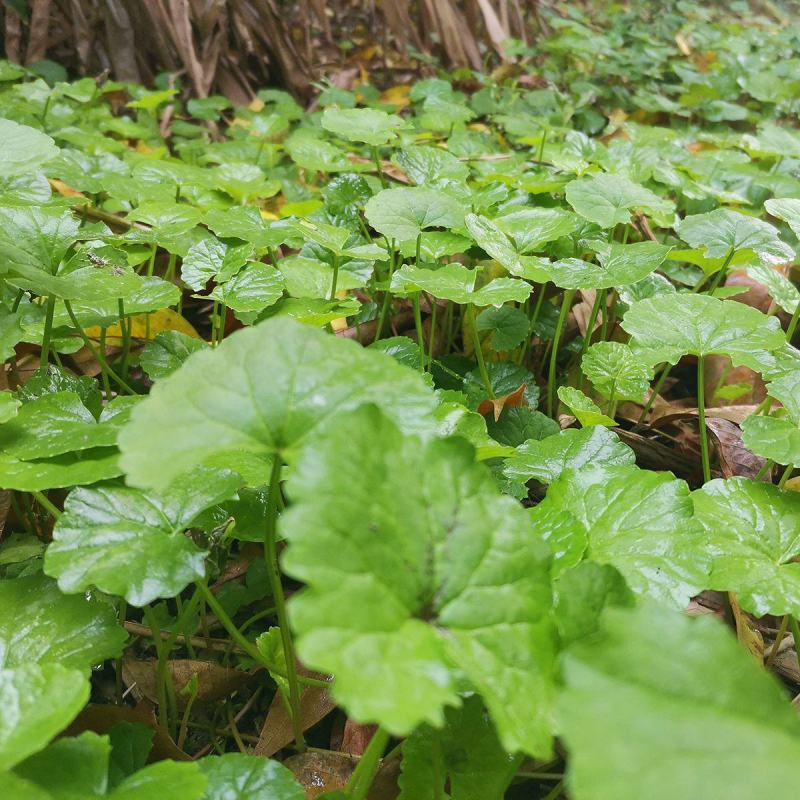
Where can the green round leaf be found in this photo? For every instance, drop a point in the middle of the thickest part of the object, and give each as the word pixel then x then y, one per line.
pixel 404 213
pixel 362 125
pixel 666 327
pixel 753 531
pixel 37 701
pixel 546 459
pixel 401 587
pixel 639 723
pixel 24 148
pixel 608 200
pixel 615 371
pixel 264 389
pixel 723 230
pixel 131 543
pixel 638 521
pixel 235 776
pixel 41 624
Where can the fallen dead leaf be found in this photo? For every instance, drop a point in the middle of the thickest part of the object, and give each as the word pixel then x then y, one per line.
pixel 214 681
pixel 513 400
pixel 277 732
pixel 100 718
pixel 749 636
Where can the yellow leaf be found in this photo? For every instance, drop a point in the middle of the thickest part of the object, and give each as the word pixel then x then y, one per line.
pixel 256 105
pixel 683 45
pixel 64 190
pixel 144 327
pixel 397 95
pixel 268 214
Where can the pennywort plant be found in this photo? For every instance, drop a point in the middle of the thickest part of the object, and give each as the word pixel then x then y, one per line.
pixel 381 448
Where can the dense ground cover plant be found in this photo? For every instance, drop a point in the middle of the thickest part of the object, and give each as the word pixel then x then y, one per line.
pixel 407 430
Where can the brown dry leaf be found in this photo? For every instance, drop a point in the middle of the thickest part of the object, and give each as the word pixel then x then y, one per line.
pixel 5 505
pixel 214 681
pixel 101 718
pixel 734 457
pixel 757 295
pixel 749 636
pixel 513 400
pixel 356 737
pixel 321 772
pixel 277 732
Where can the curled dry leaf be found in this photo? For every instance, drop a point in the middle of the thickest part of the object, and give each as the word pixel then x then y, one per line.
pixel 514 399
pixel 747 633
pixel 277 731
pixel 100 718
pixel 214 681
pixel 734 457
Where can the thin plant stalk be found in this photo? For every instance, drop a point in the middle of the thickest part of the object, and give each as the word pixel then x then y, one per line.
pixel 335 277
pixel 376 154
pixel 94 351
pixel 476 343
pixel 795 633
pixel 125 330
pixel 164 686
pixel 763 471
pixel 654 393
pixel 360 781
pixel 793 324
pixel 432 335
pixel 48 332
pixel 274 575
pixel 599 296
pixel 701 415
pixel 418 327
pixel 103 373
pixel 778 639
pixel 246 645
pixel 44 502
pixel 566 304
pixel 785 477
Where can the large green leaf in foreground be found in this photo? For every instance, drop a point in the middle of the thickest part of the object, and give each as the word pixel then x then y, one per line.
pixel 263 390
pixel 37 702
pixel 415 566
pixel 664 706
pixel 39 624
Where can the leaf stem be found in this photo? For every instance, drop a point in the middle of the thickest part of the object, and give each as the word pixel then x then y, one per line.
pixel 335 276
pixel 418 327
pixel 778 639
pixel 94 351
pixel 793 324
pixel 795 634
pixel 42 500
pixel 599 294
pixel 125 330
pixel 242 641
pixel 701 414
pixel 566 303
pixel 476 343
pixel 654 392
pixel 360 781
pixel 785 477
pixel 274 575
pixel 48 332
pixel 376 154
